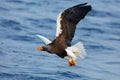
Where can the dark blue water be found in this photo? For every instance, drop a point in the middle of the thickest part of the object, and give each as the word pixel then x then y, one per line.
pixel 21 20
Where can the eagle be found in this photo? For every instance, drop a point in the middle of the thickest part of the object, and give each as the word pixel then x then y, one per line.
pixel 66 26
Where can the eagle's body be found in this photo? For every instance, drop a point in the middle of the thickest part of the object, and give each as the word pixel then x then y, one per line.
pixel 66 26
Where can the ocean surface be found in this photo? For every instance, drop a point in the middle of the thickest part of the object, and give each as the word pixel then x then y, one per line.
pixel 21 20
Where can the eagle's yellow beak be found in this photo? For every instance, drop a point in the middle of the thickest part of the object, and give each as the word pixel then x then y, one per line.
pixel 72 62
pixel 40 48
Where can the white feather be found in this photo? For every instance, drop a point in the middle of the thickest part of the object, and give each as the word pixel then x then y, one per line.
pixel 44 39
pixel 58 29
pixel 78 50
pixel 70 54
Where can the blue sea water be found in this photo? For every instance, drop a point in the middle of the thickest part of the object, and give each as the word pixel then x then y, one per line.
pixel 21 20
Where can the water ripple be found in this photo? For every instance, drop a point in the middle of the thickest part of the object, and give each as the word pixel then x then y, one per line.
pixel 20 37
pixel 11 24
pixel 3 9
pixel 94 30
pixel 22 77
pixel 113 63
pixel 69 74
pixel 102 13
pixel 15 1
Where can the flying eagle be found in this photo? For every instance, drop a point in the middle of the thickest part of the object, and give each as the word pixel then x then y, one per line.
pixel 66 25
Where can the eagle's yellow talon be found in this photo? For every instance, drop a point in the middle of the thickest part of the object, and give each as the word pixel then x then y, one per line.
pixel 72 62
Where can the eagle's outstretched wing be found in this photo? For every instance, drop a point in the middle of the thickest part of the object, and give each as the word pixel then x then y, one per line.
pixel 68 19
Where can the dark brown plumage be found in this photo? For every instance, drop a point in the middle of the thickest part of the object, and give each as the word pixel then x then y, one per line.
pixel 66 25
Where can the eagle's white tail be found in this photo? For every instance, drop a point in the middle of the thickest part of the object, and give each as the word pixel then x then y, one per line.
pixel 78 49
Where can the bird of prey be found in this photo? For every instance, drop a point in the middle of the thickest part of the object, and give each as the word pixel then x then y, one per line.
pixel 66 26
